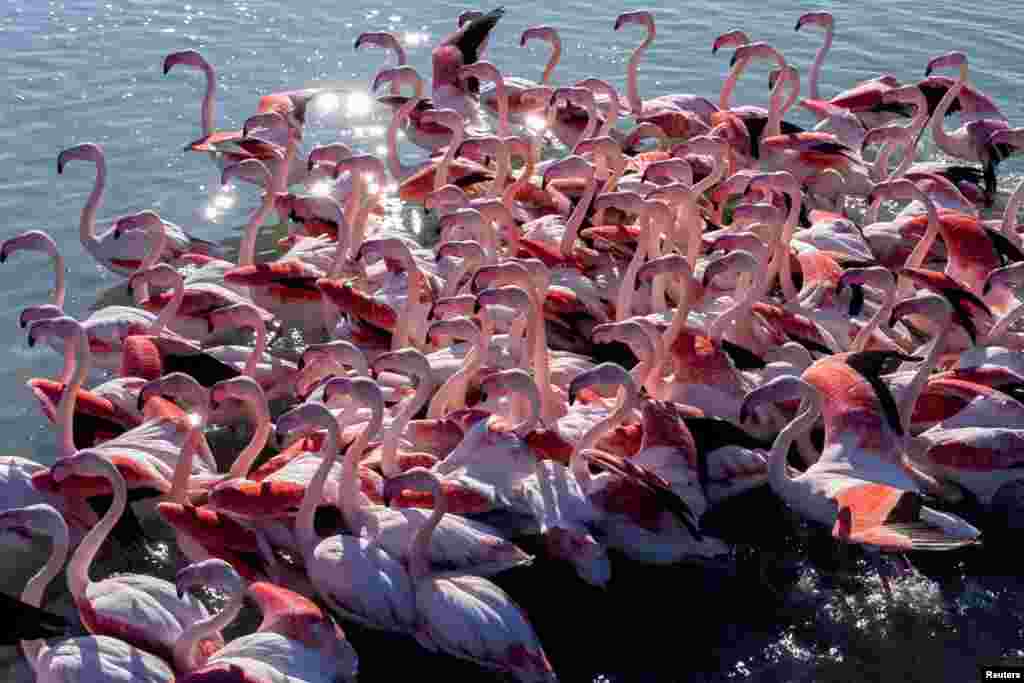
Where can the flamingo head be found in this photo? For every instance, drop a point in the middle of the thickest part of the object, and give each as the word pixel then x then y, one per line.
pixel 449 118
pixel 33 520
pixel 504 382
pixel 483 148
pixel 496 275
pixel 243 389
pixel 339 351
pixel 1008 277
pixel 509 296
pixel 600 375
pixel 381 39
pixel 328 154
pixel 408 362
pixel 627 201
pixel 781 389
pixel 748 214
pixel 605 146
pixel 391 249
pixel 88 151
pixel 269 120
pixel 304 420
pixel 160 275
pixel 1006 141
pixel 450 306
pixel 751 51
pixel 743 240
pixel 579 97
pixel 402 75
pixel 781 181
pixel 570 167
pixel 858 278
pixel 910 95
pixel 416 479
pixel 362 389
pixel 883 134
pixel 447 198
pixel 252 170
pixel 469 220
pixel 927 305
pixel 546 33
pixel 733 38
pixel 646 130
pixel 31 314
pixel 628 332
pixel 821 19
pixel 144 220
pixel 243 315
pixel 459 327
pixel 950 60
pixel 178 387
pixel 641 17
pixel 62 328
pixel 731 263
pixel 212 572
pixel 85 463
pixel 670 171
pixel 189 58
pixel 670 264
pixel 469 250
pixel 894 190
pixel 31 240
pixel 588 555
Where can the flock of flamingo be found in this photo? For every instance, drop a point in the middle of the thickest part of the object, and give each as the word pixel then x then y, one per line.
pixel 455 400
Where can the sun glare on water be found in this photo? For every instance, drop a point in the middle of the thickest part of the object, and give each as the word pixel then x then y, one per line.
pixel 358 104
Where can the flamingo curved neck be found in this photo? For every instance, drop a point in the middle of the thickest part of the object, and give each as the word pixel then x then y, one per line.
pixel 261 434
pixel 549 402
pixel 81 560
pixel 441 175
pixel 730 83
pixel 942 138
pixel 156 249
pixel 906 408
pixel 183 468
pixel 87 224
pixel 740 309
pixel 208 112
pixel 454 388
pixel 419 549
pixel 788 288
pixel 502 94
pixel 556 55
pixel 398 171
pixel 1009 225
pixel 186 657
pixel 627 399
pixel 258 349
pixel 576 219
pixel 59 284
pixel 171 309
pixel 355 518
pixel 860 342
pixel 921 249
pixel 1003 326
pixel 819 59
pixel 778 477
pixel 36 586
pixel 632 87
pixel 247 249
pixel 627 288
pixel 69 397
pixel 304 527
pixel 389 448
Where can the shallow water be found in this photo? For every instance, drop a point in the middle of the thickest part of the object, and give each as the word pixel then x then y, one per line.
pixel 85 71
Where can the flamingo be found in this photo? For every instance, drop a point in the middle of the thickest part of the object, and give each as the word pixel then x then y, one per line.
pixel 841 491
pixel 93 658
pixel 121 254
pixel 518 108
pixel 461 614
pixel 296 641
pixel 448 90
pixel 138 609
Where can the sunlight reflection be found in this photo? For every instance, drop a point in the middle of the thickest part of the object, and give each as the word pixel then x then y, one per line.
pixel 358 104
pixel 328 102
pixel 321 188
pixel 535 122
pixel 415 38
pixel 211 212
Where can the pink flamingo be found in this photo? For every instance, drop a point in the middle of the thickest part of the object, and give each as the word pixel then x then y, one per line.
pixel 120 254
pixel 448 89
pixel 464 615
pixel 518 108
pixel 94 658
pixel 388 42
pixel 141 610
pixel 296 641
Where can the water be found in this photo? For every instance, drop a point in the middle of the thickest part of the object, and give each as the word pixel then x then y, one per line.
pixel 86 71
